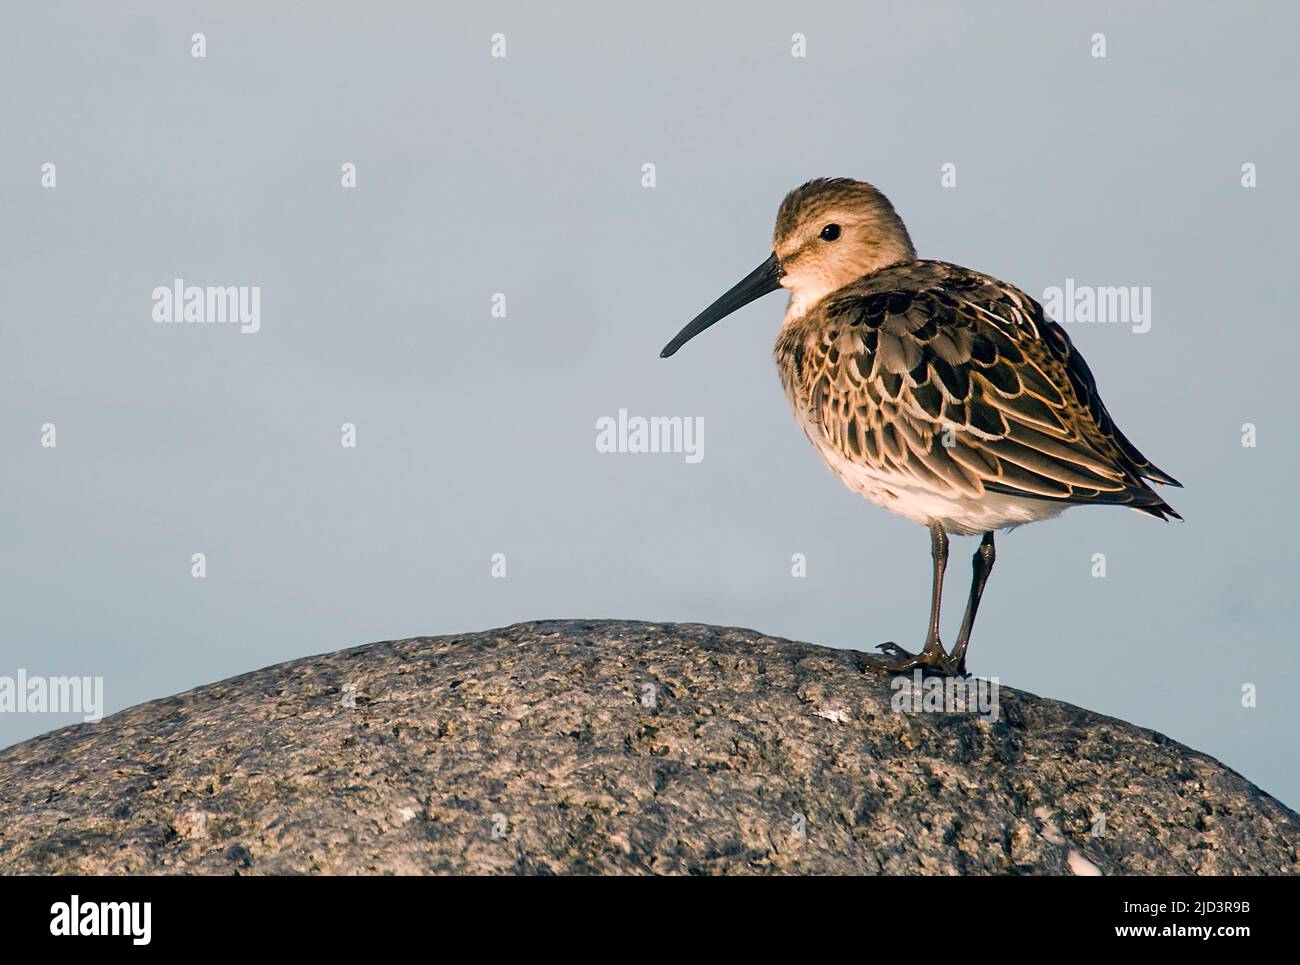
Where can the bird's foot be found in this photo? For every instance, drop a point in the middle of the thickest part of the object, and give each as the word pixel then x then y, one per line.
pixel 932 657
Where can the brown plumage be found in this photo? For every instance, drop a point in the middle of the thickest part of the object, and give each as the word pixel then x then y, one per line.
pixel 936 391
pixel 888 365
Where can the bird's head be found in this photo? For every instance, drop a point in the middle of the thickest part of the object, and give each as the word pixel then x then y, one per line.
pixel 829 233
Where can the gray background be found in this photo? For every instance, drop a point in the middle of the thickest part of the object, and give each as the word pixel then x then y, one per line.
pixel 477 435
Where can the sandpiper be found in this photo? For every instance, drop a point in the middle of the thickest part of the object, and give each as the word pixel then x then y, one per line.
pixel 935 391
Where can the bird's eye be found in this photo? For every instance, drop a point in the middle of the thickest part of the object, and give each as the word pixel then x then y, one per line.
pixel 830 232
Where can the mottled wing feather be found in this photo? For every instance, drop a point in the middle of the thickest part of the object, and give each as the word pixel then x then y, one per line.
pixel 959 382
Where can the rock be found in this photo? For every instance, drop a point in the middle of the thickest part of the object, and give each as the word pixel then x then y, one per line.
pixel 605 747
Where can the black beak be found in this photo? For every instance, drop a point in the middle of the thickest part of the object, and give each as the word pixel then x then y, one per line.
pixel 763 279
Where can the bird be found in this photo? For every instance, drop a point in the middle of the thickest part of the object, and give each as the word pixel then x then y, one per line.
pixel 935 391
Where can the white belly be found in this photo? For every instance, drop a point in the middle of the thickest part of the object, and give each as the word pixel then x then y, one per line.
pixel 958 513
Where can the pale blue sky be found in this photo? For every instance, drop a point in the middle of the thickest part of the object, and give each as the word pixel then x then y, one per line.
pixel 477 434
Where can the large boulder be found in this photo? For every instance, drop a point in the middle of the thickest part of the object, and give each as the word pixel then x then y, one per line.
pixel 573 747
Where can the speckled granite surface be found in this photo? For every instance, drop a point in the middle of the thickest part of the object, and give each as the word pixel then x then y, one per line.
pixel 569 747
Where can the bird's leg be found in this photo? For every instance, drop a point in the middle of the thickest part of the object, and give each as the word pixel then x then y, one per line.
pixel 938 553
pixel 981 567
pixel 932 654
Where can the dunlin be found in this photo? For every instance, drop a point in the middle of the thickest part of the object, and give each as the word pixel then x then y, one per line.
pixel 935 391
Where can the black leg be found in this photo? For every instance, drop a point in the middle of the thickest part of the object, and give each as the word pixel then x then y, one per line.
pixel 938 553
pixel 933 654
pixel 981 567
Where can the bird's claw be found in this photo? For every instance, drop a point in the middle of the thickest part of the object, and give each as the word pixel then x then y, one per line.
pixel 890 647
pixel 932 657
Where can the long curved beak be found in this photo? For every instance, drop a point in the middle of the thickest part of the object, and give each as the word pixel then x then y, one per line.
pixel 763 279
